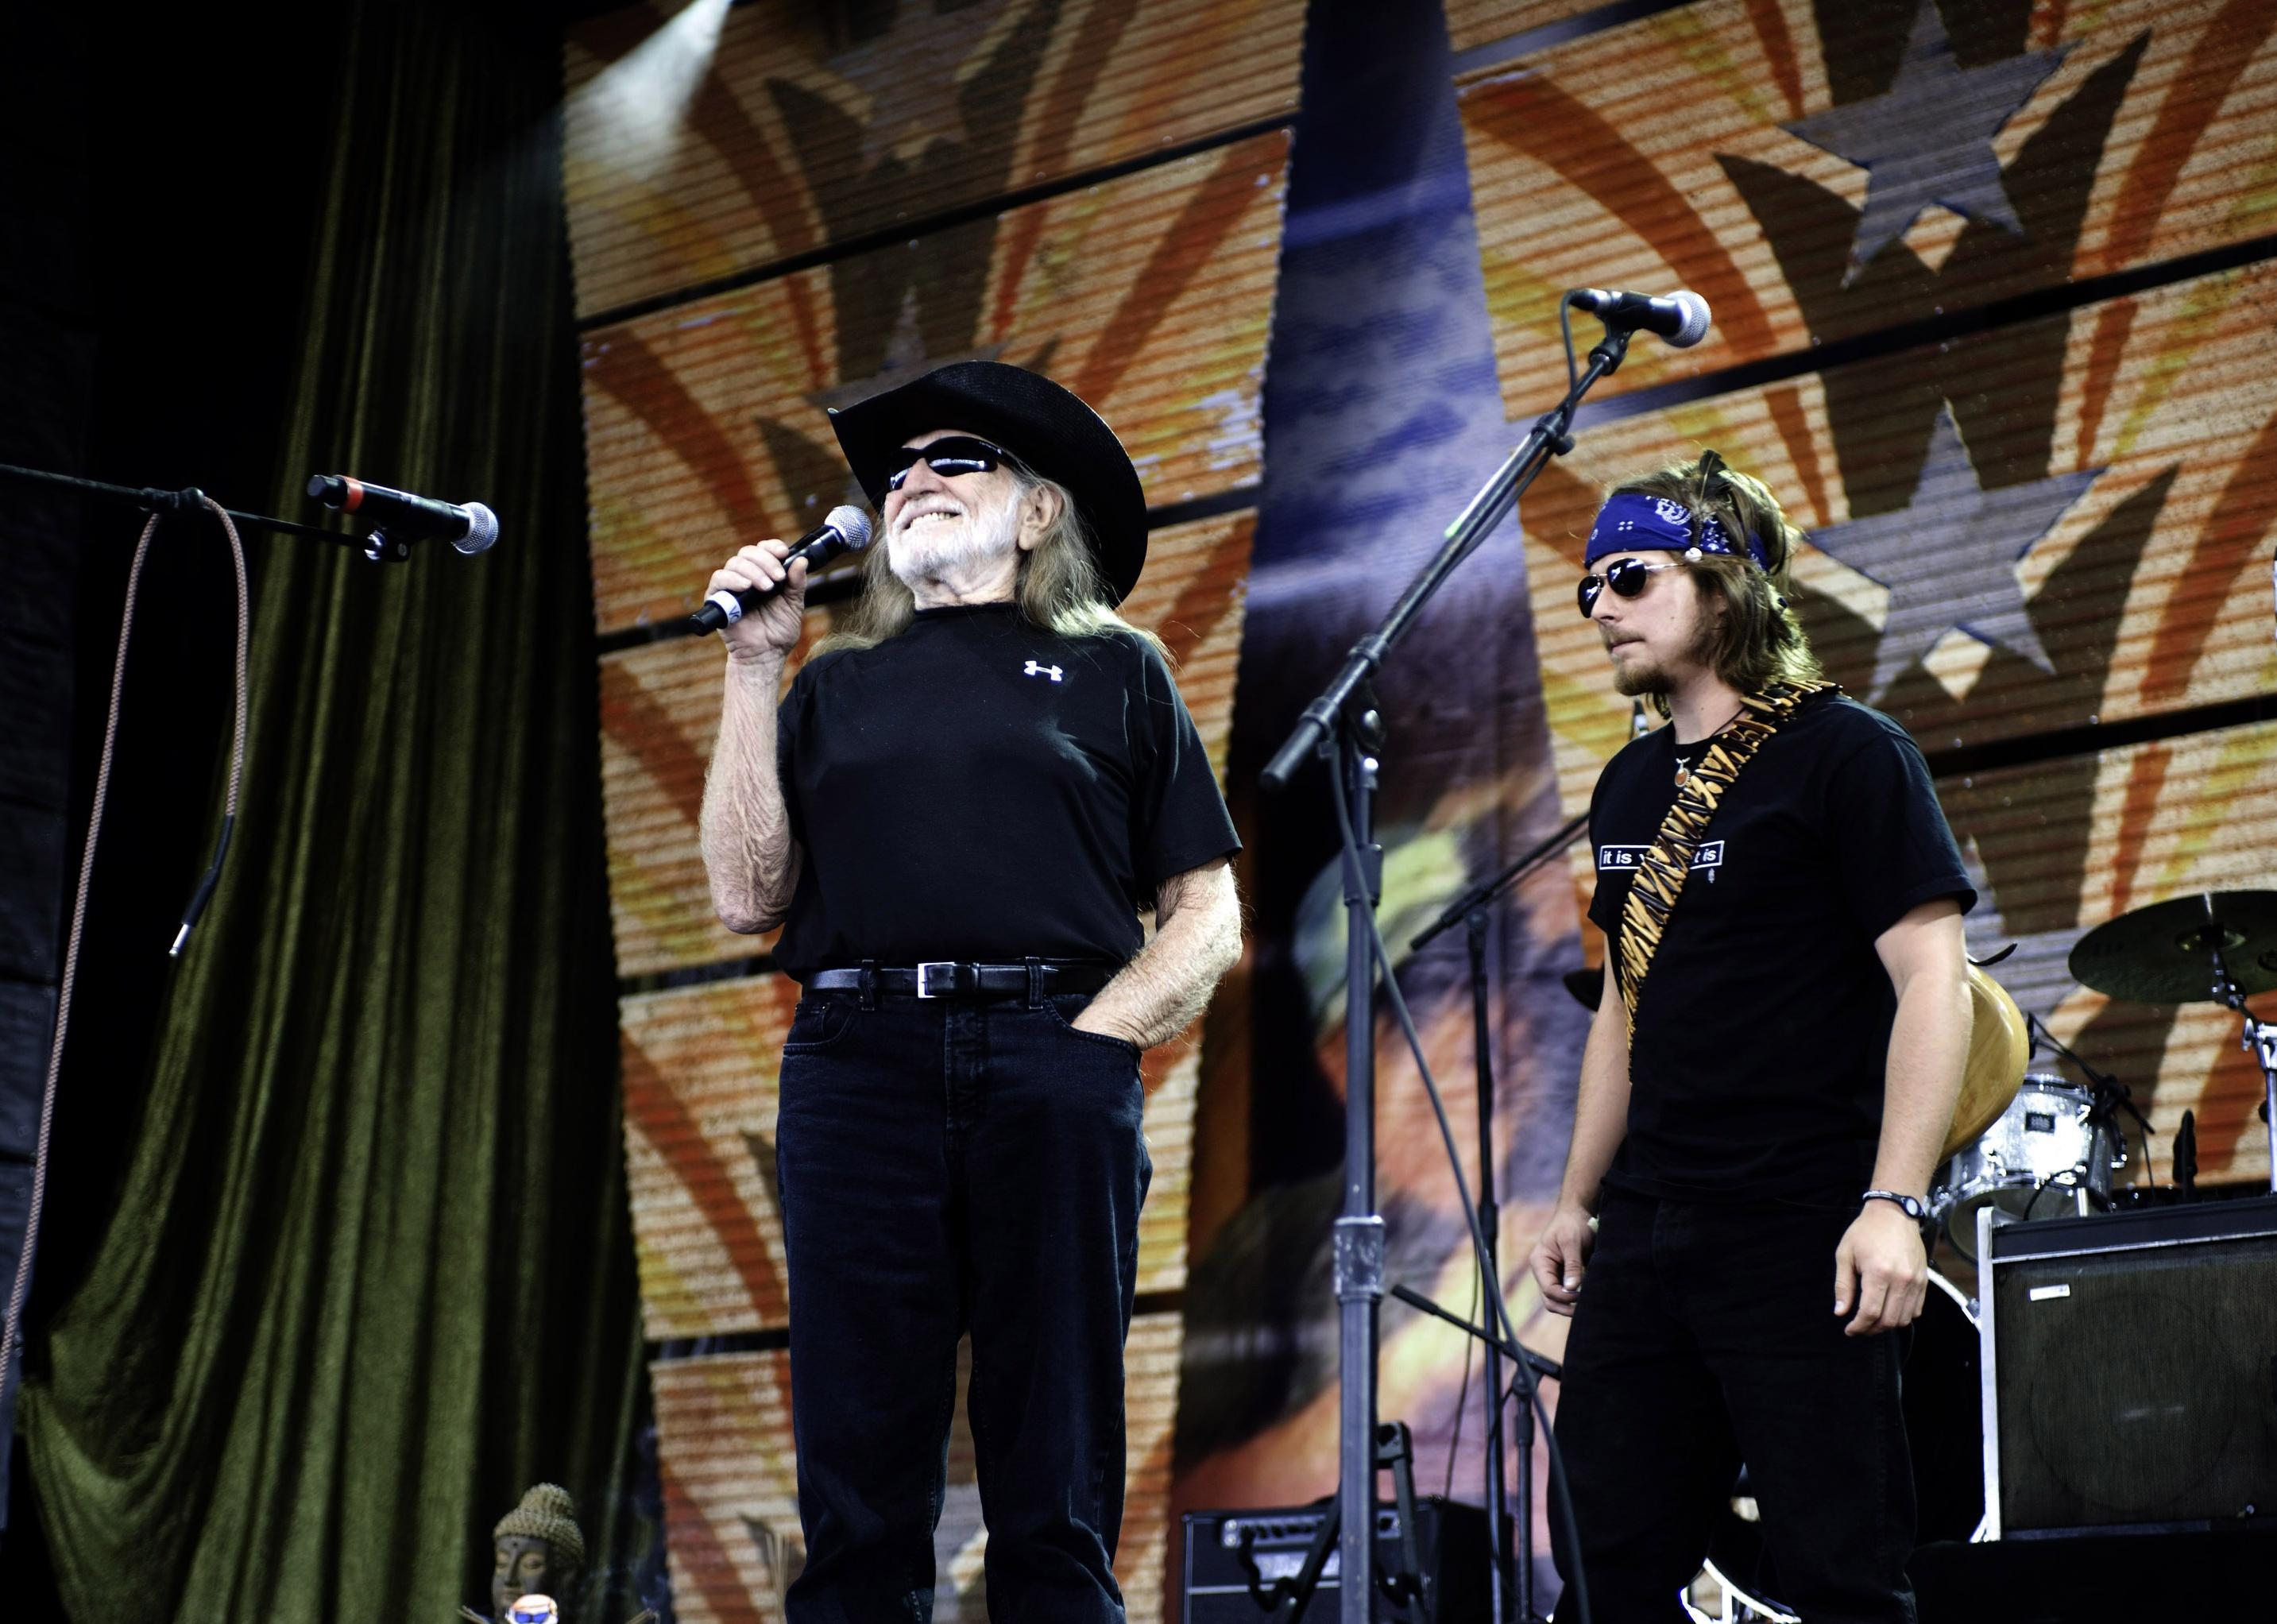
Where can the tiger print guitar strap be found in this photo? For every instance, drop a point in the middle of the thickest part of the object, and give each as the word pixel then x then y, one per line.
pixel 1660 872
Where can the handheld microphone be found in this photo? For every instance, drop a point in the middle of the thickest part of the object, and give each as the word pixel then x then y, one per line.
pixel 471 528
pixel 1681 318
pixel 847 529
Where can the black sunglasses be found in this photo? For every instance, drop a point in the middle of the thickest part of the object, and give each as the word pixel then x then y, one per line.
pixel 1627 577
pixel 949 456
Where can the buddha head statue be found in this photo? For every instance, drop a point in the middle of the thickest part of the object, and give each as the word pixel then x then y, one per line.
pixel 539 1549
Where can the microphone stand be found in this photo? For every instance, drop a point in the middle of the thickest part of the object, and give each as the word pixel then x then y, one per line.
pixel 1343 724
pixel 1471 909
pixel 377 546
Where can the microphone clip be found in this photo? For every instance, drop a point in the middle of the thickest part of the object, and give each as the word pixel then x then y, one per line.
pixel 382 548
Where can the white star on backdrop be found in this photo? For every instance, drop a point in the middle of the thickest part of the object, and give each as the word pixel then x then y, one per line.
pixel 1928 140
pixel 1949 556
pixel 909 73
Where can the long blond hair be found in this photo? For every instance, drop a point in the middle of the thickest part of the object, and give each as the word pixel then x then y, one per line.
pixel 1758 640
pixel 1059 587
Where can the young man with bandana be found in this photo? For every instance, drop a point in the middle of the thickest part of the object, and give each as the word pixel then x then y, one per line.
pixel 1737 1235
pixel 956 816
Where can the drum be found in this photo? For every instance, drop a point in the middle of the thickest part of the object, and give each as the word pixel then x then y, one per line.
pixel 1944 1433
pixel 2046 1147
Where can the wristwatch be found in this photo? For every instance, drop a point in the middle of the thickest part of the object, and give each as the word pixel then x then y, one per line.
pixel 1912 1206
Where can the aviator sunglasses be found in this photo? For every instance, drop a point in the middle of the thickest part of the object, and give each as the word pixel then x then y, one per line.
pixel 950 456
pixel 1628 577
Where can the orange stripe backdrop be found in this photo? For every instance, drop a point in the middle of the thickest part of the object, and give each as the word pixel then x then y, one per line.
pixel 1653 155
pixel 782 207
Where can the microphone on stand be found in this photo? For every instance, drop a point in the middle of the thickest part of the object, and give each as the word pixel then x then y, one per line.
pixel 1681 317
pixel 847 529
pixel 470 529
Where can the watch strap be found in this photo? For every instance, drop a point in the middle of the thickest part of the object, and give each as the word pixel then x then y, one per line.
pixel 1912 1206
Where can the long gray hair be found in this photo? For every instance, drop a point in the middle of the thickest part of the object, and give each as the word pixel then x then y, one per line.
pixel 1059 587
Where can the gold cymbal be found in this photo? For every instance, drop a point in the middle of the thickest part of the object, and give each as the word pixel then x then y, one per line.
pixel 2165 953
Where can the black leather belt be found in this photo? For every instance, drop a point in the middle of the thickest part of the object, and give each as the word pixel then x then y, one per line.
pixel 947 979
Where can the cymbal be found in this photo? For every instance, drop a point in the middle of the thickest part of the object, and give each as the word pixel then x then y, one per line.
pixel 1587 985
pixel 2164 953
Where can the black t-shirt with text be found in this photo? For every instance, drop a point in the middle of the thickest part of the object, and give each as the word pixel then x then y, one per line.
pixel 1758 1063
pixel 980 787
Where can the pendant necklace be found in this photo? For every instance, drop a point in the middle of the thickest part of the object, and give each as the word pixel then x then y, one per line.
pixel 1684 769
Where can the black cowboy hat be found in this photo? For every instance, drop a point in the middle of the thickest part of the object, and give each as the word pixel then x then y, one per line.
pixel 1049 430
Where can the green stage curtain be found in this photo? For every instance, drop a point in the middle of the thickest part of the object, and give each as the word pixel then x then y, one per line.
pixel 370 1271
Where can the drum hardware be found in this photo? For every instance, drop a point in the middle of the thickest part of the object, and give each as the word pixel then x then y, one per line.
pixel 2111 1096
pixel 2166 952
pixel 2055 1140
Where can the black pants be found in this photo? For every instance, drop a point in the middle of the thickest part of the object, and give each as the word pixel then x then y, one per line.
pixel 1704 1336
pixel 946 1166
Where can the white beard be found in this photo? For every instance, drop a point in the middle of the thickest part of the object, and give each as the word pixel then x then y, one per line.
pixel 926 549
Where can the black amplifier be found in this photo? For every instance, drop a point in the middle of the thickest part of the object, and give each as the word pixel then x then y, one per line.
pixel 2129 1367
pixel 1450 1544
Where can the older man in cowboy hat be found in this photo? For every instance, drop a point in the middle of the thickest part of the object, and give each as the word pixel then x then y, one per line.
pixel 957 816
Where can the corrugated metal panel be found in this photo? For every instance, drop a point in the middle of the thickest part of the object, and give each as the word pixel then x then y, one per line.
pixel 701 1065
pixel 660 712
pixel 1652 156
pixel 1149 296
pixel 730 1500
pixel 730 1485
pixel 1473 22
pixel 659 719
pixel 800 132
pixel 2149 593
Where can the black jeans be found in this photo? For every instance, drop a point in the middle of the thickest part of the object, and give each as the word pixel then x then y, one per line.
pixel 945 1166
pixel 1704 1336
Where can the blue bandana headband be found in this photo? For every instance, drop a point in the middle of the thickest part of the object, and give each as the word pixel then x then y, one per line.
pixel 1633 522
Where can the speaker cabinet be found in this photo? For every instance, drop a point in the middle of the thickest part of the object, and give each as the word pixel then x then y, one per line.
pixel 2129 1370
pixel 1450 1539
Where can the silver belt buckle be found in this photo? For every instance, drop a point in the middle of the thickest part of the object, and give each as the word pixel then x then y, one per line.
pixel 924 983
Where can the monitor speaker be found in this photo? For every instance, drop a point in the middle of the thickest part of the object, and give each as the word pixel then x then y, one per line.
pixel 1452 1545
pixel 2129 1370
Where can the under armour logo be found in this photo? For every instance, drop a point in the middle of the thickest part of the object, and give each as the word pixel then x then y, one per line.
pixel 1033 669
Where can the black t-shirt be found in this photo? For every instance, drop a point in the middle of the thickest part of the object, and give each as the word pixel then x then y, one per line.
pixel 1758 1063
pixel 978 787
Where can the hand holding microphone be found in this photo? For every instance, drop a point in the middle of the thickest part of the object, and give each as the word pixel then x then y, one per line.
pixel 759 596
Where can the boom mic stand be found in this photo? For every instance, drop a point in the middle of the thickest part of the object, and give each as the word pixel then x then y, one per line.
pixel 1344 725
pixel 1471 909
pixel 150 499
